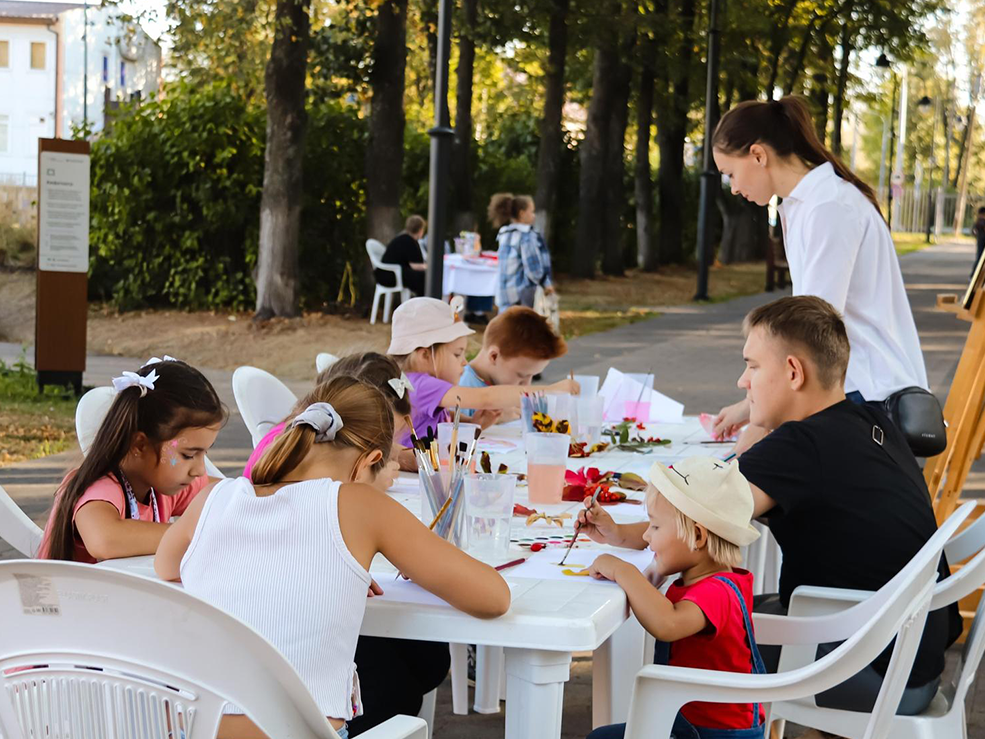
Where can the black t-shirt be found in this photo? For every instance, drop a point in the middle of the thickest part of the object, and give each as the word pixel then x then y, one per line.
pixel 402 250
pixel 849 513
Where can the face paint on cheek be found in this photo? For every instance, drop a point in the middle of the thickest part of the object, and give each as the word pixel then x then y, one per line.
pixel 173 453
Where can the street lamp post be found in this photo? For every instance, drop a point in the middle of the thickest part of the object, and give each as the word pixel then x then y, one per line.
pixel 441 139
pixel 709 174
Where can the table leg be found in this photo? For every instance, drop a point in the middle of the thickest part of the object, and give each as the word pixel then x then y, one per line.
pixel 535 681
pixel 614 667
pixel 488 674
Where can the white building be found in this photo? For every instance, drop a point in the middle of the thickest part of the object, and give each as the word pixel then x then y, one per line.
pixel 47 87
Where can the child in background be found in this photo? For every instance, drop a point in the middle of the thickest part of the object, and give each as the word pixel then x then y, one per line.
pixel 517 345
pixel 428 342
pixel 289 553
pixel 699 516
pixel 378 370
pixel 146 464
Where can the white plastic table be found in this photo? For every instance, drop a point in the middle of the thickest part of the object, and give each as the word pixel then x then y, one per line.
pixel 548 619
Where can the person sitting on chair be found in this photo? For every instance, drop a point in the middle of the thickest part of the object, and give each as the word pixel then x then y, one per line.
pixel 405 249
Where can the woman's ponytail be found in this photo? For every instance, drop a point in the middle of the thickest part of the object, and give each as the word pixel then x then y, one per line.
pixel 786 126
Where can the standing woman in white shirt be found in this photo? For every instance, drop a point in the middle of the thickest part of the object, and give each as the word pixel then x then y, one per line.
pixel 837 243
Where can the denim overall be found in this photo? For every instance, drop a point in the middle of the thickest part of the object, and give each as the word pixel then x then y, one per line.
pixel 684 729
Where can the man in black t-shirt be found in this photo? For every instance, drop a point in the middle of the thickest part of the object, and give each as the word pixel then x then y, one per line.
pixel 837 482
pixel 405 249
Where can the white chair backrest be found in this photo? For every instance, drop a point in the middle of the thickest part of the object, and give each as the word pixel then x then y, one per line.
pixel 262 399
pixel 89 414
pixel 16 528
pixel 58 616
pixel 898 609
pixel 323 361
pixel 375 249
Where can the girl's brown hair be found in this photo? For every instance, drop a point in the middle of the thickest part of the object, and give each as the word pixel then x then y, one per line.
pixel 784 125
pixel 372 367
pixel 367 425
pixel 182 398
pixel 506 207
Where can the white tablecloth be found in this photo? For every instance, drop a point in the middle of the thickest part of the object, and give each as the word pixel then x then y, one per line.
pixel 476 277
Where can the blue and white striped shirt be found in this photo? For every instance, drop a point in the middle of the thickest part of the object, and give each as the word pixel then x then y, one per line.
pixel 524 262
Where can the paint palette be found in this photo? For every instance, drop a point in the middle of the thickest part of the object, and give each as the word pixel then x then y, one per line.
pixel 548 542
pixel 496 446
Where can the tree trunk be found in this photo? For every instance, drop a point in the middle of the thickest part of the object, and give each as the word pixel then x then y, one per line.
pixel 745 233
pixel 777 44
pixel 839 106
pixel 280 206
pixel 613 260
pixel 551 135
pixel 385 149
pixel 965 167
pixel 962 146
pixel 462 214
pixel 647 257
pixel 819 90
pixel 591 229
pixel 672 109
pixel 798 65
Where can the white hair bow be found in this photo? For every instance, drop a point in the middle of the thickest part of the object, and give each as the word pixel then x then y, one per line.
pixel 401 385
pixel 132 379
pixel 457 304
pixel 155 360
pixel 323 418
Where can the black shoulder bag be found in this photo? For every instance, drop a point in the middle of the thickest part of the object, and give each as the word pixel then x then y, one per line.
pixel 917 414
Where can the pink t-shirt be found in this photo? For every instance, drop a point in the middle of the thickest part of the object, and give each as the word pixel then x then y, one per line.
pixel 261 447
pixel 108 489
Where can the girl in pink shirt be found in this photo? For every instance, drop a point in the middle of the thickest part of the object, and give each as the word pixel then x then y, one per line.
pixel 373 368
pixel 145 465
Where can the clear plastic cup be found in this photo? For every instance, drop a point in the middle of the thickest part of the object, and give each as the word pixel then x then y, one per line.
pixel 589 385
pixel 563 407
pixel 547 461
pixel 590 411
pixel 489 514
pixel 466 432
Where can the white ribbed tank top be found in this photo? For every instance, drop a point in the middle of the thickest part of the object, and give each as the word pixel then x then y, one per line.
pixel 279 563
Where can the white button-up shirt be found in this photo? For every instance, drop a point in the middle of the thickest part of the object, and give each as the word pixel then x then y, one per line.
pixel 840 249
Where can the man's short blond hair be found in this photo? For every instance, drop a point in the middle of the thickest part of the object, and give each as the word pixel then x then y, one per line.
pixel 809 323
pixel 720 550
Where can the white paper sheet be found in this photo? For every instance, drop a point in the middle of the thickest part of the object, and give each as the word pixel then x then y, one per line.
pixel 543 565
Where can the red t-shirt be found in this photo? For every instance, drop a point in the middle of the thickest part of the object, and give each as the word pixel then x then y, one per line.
pixel 107 489
pixel 722 646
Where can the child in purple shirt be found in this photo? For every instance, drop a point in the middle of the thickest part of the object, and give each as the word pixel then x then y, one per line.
pixel 428 341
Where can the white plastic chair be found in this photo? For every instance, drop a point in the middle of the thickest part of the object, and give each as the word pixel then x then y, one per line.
pixel 89 415
pixel 16 528
pixel 898 610
pixel 262 399
pixel 323 361
pixel 199 659
pixel 375 250
pixel 945 717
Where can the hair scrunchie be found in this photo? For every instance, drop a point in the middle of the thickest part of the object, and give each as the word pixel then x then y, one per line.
pixel 323 418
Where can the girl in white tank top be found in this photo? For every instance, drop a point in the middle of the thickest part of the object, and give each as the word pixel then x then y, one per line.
pixel 289 554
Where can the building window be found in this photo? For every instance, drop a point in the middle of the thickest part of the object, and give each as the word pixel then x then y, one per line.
pixel 4 133
pixel 123 74
pixel 37 55
pixel 105 69
pixel 4 54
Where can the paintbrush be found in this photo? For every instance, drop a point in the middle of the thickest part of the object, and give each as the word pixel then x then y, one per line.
pixel 574 538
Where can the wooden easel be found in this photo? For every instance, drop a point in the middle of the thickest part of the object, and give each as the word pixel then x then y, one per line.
pixel 963 412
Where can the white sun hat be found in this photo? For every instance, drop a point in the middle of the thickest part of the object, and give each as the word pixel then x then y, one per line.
pixel 424 322
pixel 710 492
